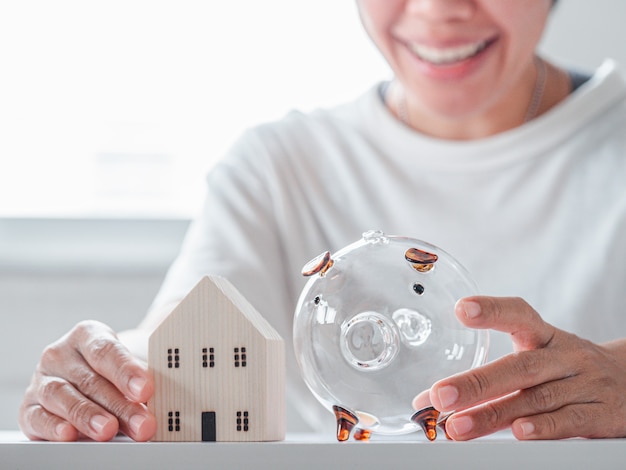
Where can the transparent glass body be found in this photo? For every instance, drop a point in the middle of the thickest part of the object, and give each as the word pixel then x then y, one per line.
pixel 375 326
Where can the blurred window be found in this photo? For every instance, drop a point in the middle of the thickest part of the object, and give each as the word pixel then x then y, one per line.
pixel 117 108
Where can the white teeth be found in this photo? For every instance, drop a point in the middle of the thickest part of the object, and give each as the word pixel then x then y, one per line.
pixel 448 55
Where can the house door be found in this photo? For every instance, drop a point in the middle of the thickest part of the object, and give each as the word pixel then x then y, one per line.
pixel 208 426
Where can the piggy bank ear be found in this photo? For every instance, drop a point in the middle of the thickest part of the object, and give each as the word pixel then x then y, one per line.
pixel 420 260
pixel 320 264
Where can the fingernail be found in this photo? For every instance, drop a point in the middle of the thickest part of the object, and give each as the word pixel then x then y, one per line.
pixel 461 425
pixel 98 422
pixel 527 428
pixel 136 385
pixel 135 423
pixel 472 309
pixel 448 395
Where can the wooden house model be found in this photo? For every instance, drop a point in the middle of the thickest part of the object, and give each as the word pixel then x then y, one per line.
pixel 219 369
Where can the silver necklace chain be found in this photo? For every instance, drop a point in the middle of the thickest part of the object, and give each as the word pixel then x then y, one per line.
pixel 403 112
pixel 540 86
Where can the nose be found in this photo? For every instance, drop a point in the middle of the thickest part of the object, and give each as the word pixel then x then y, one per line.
pixel 441 10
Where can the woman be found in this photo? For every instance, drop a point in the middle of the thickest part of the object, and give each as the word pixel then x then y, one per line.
pixel 508 162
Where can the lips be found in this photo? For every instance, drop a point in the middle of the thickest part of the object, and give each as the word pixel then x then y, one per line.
pixel 448 55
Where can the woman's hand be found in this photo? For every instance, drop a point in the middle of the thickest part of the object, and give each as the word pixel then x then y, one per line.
pixel 88 384
pixel 555 385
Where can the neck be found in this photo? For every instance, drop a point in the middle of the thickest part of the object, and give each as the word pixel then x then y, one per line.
pixel 523 103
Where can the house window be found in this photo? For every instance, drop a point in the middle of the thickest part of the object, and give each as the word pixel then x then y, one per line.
pixel 173 421
pixel 242 421
pixel 173 358
pixel 240 357
pixel 208 357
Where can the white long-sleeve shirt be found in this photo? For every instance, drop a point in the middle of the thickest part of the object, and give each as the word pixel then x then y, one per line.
pixel 537 212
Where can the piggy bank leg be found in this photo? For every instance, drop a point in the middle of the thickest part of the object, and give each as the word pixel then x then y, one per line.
pixel 362 434
pixel 346 420
pixel 442 424
pixel 426 418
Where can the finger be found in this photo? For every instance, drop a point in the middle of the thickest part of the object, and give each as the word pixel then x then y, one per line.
pixel 134 419
pixel 63 365
pixel 499 414
pixel 59 394
pixel 38 424
pixel 577 420
pixel 105 354
pixel 422 400
pixel 498 378
pixel 62 399
pixel 466 425
pixel 507 314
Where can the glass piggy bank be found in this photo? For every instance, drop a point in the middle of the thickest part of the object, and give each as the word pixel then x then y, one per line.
pixel 375 326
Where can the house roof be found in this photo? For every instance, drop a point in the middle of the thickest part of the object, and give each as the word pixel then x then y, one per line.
pixel 211 286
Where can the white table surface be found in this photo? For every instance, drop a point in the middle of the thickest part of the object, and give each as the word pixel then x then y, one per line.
pixel 304 451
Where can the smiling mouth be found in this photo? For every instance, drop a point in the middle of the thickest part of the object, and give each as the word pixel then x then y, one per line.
pixel 448 55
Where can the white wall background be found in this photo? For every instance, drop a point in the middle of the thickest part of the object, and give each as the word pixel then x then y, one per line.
pixel 583 33
pixel 71 254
